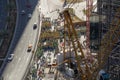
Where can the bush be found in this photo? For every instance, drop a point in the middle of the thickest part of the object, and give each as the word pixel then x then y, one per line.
pixel 39 52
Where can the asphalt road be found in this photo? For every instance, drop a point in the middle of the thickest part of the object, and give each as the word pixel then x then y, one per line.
pixel 3 13
pixel 24 35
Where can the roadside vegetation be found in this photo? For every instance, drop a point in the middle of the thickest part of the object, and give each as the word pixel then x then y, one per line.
pixel 48 39
pixel 47 42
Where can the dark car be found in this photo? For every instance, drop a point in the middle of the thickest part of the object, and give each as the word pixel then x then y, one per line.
pixel 23 12
pixel 34 26
pixel 29 48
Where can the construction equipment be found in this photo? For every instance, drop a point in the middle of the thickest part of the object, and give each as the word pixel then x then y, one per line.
pixel 107 44
pixel 72 39
pixel 95 70
pixel 88 13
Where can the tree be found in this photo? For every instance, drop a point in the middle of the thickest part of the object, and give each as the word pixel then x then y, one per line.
pixel 39 52
pixel 55 44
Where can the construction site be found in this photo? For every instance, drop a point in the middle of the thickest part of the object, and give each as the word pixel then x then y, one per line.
pixel 90 46
pixel 79 40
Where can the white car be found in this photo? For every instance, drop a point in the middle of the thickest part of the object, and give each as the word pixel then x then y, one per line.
pixel 23 12
pixel 29 15
pixel 10 57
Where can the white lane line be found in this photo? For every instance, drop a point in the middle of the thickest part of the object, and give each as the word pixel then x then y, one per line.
pixel 27 58
pixel 19 59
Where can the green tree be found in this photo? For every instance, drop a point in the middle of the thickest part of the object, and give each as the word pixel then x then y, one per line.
pixel 55 44
pixel 39 52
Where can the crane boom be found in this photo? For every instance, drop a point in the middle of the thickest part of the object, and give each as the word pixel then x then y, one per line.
pixel 72 35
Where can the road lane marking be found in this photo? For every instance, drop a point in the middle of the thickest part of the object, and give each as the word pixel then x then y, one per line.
pixel 19 59
pixel 27 58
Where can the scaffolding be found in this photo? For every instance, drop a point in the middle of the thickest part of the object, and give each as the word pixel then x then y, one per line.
pixel 110 9
pixel 88 13
pixel 108 56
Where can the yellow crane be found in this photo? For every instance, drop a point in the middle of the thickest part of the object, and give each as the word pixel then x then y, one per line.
pixel 73 40
pixel 107 44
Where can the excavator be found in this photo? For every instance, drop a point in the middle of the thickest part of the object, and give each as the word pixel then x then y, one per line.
pixel 86 70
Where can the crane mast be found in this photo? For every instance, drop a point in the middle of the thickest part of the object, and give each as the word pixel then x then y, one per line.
pixel 73 40
pixel 107 44
pixel 88 12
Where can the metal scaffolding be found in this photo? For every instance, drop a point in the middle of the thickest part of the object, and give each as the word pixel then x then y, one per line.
pixel 110 9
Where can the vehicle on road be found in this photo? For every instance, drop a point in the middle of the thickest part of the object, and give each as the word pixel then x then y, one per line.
pixel 35 26
pixel 10 57
pixel 23 12
pixel 29 15
pixel 29 48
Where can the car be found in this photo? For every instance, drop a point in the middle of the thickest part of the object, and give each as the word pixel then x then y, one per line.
pixel 10 57
pixel 29 48
pixel 23 12
pixel 29 15
pixel 35 26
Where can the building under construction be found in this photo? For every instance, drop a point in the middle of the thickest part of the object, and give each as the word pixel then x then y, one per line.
pixel 104 40
pixel 94 53
pixel 109 21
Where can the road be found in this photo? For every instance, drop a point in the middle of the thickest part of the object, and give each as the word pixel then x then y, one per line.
pixel 24 35
pixel 3 13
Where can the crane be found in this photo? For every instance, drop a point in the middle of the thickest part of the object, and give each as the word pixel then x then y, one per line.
pixel 89 6
pixel 72 37
pixel 107 44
